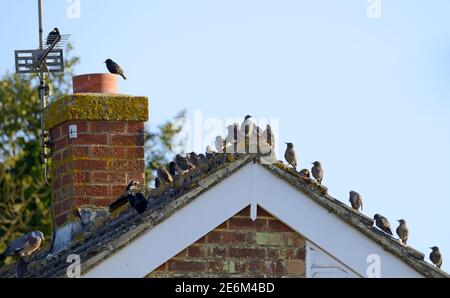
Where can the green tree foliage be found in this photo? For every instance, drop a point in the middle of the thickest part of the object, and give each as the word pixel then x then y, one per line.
pixel 24 195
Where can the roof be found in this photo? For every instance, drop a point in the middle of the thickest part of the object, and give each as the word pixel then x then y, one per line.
pixel 111 234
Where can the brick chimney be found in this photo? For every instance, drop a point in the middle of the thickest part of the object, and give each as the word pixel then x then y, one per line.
pixel 97 145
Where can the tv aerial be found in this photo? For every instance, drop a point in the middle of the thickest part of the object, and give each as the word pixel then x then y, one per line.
pixel 48 58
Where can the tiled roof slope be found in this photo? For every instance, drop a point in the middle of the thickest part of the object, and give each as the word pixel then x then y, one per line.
pixel 113 233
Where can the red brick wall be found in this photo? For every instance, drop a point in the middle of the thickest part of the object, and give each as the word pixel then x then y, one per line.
pixel 241 247
pixel 95 168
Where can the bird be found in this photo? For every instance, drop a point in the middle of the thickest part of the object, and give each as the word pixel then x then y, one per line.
pixel 138 202
pixel 383 223
pixel 132 186
pixel 157 182
pixel 290 155
pixel 402 231
pixel 203 164
pixel 24 246
pixel 174 169
pixel 183 163
pixel 317 171
pixel 210 152
pixel 220 144
pixel 305 173
pixel 193 158
pixel 52 36
pixel 356 200
pixel 163 175
pixel 114 68
pixel 436 257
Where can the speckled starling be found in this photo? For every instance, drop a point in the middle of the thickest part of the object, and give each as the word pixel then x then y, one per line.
pixel 114 68
pixel 290 155
pixel 402 231
pixel 356 200
pixel 382 223
pixel 436 257
pixel 317 172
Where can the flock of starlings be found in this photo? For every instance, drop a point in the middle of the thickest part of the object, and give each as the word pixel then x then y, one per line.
pixel 29 244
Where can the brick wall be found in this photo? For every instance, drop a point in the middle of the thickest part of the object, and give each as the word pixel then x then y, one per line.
pixel 95 168
pixel 241 247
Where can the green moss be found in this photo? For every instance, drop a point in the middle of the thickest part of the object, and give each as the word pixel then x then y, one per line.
pixel 92 106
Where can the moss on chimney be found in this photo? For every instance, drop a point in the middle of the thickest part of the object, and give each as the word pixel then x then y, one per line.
pixel 94 106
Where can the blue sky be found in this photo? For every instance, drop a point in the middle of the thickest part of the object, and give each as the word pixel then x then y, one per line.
pixel 368 97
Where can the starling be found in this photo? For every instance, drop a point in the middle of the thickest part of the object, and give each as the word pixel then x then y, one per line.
pixel 317 172
pixel 193 158
pixel 305 173
pixel 383 223
pixel 174 169
pixel 138 202
pixel 24 246
pixel 157 183
pixel 356 200
pixel 436 257
pixel 52 36
pixel 203 164
pixel 183 163
pixel 290 155
pixel 132 186
pixel 114 68
pixel 220 144
pixel 163 175
pixel 402 231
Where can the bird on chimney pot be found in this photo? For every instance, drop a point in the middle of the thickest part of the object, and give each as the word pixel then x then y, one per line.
pixel 114 68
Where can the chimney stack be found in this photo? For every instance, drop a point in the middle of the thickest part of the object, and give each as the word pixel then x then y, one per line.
pixel 97 145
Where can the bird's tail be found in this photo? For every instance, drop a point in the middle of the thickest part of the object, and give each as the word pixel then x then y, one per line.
pixel 123 76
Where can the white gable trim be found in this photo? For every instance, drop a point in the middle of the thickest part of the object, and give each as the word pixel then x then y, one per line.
pixel 252 185
pixel 320 264
pixel 180 230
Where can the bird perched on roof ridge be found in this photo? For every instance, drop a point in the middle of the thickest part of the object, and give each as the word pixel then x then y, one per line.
pixel 183 163
pixel 115 68
pixel 138 202
pixel 383 223
pixel 436 257
pixel 157 182
pixel 291 156
pixel 52 36
pixel 356 200
pixel 317 171
pixel 305 173
pixel 193 158
pixel 402 231
pixel 24 246
pixel 174 169
pixel 164 175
